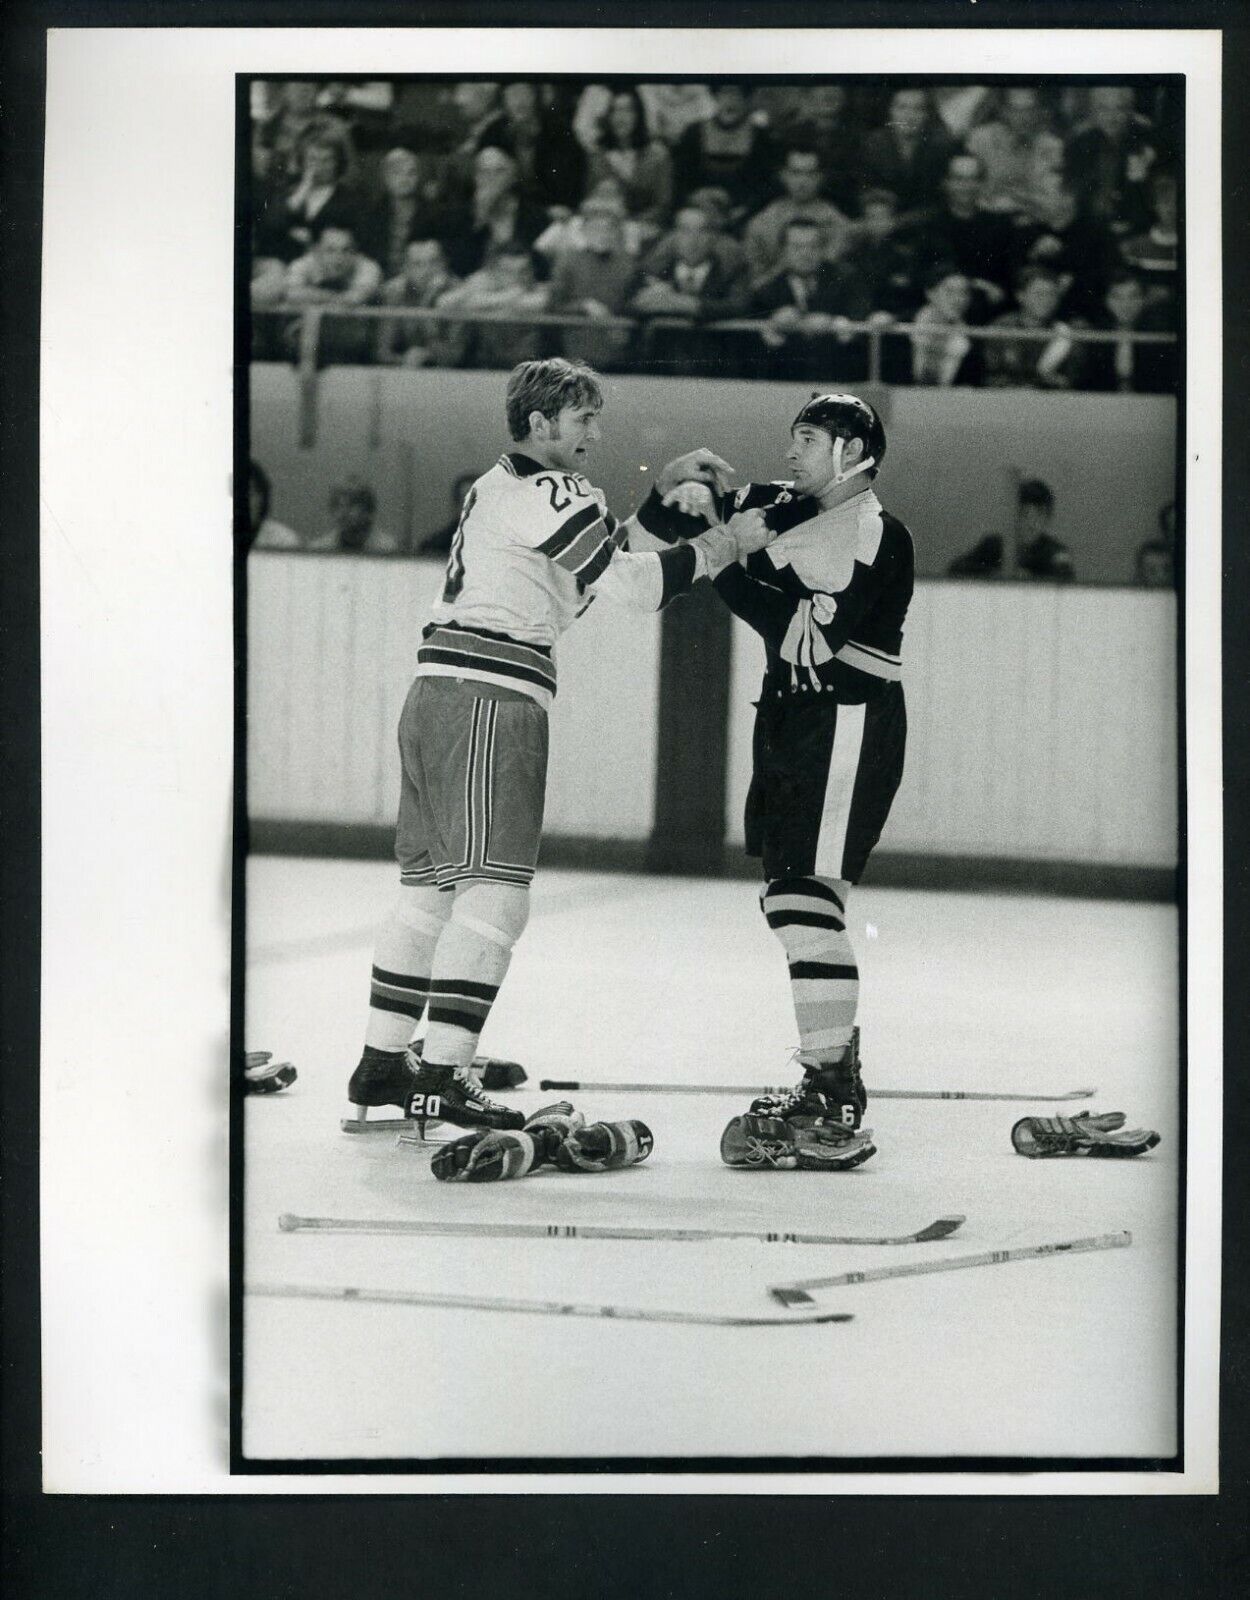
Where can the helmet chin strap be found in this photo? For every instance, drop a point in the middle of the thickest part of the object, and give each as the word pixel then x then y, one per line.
pixel 840 477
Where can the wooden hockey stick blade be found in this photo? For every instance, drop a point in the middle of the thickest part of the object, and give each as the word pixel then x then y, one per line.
pixel 942 1228
pixel 546 1308
pixel 754 1089
pixel 795 1294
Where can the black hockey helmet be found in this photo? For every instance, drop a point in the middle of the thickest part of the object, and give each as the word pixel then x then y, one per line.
pixel 846 416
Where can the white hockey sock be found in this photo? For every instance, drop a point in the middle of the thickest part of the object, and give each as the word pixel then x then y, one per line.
pixel 403 955
pixel 808 917
pixel 470 962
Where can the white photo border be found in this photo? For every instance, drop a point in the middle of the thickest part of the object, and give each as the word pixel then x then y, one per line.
pixel 137 435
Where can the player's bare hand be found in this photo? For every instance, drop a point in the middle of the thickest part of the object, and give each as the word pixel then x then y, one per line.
pixel 702 466
pixel 750 530
pixel 694 499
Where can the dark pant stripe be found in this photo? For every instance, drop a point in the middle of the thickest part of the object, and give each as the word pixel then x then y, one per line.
pixel 403 1008
pixel 401 980
pixel 464 987
pixel 457 1018
pixel 802 919
pixel 821 969
pixel 803 886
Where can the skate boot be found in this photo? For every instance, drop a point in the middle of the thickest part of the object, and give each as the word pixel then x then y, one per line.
pixel 453 1094
pixel 827 1092
pixel 382 1078
pixel 492 1072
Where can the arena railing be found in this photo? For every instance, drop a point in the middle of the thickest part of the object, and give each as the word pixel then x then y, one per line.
pixel 311 319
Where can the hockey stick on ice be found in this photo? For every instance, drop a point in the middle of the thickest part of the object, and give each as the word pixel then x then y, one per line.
pixel 942 1228
pixel 546 1308
pixel 751 1089
pixel 795 1294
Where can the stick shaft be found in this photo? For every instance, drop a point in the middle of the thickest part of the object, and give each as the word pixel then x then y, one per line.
pixel 582 1230
pixel 547 1308
pixel 753 1089
pixel 987 1258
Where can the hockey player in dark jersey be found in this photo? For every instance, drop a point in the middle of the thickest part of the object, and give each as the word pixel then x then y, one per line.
pixel 829 597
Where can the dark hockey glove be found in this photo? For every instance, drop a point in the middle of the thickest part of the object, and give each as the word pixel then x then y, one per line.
pixel 486 1156
pixel 604 1146
pixel 771 1144
pixel 1081 1136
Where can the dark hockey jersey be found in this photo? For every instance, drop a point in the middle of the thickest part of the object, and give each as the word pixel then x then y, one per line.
pixel 830 604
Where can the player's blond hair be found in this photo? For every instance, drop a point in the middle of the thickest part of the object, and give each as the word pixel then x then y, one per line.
pixel 547 387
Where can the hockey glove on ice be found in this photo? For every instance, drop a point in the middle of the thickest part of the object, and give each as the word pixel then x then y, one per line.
pixel 1081 1136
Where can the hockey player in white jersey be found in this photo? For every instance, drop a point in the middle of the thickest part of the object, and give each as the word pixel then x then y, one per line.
pixel 535 545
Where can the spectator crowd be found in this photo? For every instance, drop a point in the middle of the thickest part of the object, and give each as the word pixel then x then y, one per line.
pixel 979 232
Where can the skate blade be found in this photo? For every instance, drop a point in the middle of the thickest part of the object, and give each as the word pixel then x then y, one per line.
pixel 359 1121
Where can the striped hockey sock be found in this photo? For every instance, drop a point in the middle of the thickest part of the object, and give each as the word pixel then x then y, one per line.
pixel 470 962
pixel 403 955
pixel 808 917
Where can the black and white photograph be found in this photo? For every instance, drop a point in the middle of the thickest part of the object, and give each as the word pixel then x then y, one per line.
pixel 711 779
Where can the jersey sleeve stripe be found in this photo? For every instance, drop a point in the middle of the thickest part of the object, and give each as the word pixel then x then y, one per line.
pixel 584 548
pixel 598 563
pixel 557 543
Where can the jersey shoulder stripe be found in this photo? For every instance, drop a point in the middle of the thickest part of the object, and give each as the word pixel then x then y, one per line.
pixel 557 544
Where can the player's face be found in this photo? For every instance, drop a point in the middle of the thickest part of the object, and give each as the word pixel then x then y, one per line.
pixel 809 459
pixel 571 435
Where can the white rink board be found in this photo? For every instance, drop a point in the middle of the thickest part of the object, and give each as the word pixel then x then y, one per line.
pixel 615 978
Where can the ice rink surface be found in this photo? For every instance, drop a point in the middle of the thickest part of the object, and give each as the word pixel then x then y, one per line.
pixel 635 978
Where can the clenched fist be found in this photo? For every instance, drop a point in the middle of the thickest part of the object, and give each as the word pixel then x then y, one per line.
pixel 750 531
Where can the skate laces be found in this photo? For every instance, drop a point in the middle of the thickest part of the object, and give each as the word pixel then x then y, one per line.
pixel 465 1078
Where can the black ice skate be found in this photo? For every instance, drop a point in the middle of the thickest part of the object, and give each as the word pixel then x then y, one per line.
pixel 452 1094
pixel 382 1078
pixel 827 1092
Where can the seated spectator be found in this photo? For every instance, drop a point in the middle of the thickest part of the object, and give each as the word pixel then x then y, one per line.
pixel 941 351
pixel 809 303
pixel 353 506
pixel 596 280
pixel 692 274
pixel 825 126
pixel 884 258
pixel 334 274
pixel 1125 365
pixel 1153 254
pixel 980 243
pixel 909 155
pixel 502 291
pixel 1016 149
pixel 625 149
pixel 1153 566
pixel 674 108
pixel 569 232
pixel 764 239
pixel 1111 158
pixel 727 150
pixel 984 560
pixel 404 211
pixel 551 165
pixel 714 203
pixel 1038 553
pixel 295 119
pixel 496 214
pixel 1033 363
pixel 264 532
pixel 321 199
pixel 412 342
pixel 1079 249
pixel 439 542
pixel 268 293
